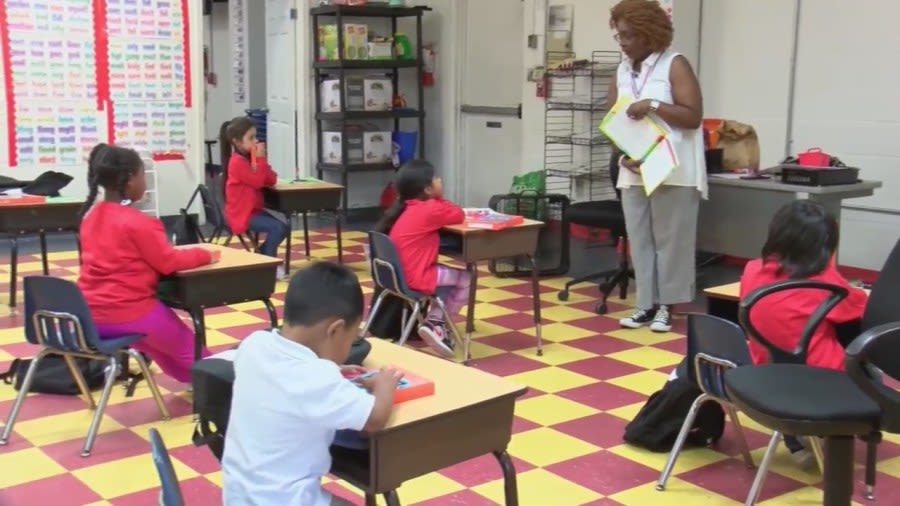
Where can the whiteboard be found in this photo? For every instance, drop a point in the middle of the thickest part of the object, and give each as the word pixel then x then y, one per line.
pixel 845 100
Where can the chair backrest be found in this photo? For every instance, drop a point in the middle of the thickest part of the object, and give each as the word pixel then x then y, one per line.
pixel 884 300
pixel 878 347
pixel 714 345
pixel 170 492
pixel 56 315
pixel 213 206
pixel 387 272
pixel 797 355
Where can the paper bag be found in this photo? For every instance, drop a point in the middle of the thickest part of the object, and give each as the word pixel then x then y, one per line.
pixel 740 146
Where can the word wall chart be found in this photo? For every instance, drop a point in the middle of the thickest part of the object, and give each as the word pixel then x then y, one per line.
pixel 53 110
pixel 147 73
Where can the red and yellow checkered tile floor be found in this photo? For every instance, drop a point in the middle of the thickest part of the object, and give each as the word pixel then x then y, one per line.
pixel 568 446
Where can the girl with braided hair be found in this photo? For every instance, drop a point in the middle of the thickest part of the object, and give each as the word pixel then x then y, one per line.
pixel 124 252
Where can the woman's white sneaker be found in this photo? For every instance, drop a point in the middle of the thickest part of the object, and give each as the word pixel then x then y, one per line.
pixel 637 319
pixel 662 321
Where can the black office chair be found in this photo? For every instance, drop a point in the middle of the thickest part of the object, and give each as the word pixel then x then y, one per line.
pixel 605 214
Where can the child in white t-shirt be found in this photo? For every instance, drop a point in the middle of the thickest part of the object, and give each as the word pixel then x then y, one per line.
pixel 290 395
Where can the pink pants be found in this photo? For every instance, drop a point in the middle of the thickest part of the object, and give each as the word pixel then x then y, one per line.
pixel 453 290
pixel 168 341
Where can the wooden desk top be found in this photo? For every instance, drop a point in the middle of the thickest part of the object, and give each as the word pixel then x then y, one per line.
pixel 61 202
pixel 455 386
pixel 731 291
pixel 462 229
pixel 299 186
pixel 232 259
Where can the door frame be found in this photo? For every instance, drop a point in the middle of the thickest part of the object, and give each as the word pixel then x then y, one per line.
pixel 304 126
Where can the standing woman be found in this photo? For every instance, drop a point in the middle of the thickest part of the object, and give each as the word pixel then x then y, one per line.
pixel 662 227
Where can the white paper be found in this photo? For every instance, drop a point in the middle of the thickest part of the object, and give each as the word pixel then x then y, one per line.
pixel 658 165
pixel 634 137
pixel 228 355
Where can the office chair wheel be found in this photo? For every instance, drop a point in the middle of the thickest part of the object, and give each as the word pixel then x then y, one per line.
pixel 601 308
pixel 563 295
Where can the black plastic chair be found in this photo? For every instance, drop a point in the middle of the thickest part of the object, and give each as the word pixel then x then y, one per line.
pixel 714 346
pixel 387 272
pixel 170 490
pixel 213 201
pixel 604 214
pixel 57 318
pixel 793 398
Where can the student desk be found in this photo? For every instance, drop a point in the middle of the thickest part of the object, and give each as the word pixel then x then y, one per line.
pixel 238 276
pixel 735 219
pixel 469 415
pixel 723 301
pixel 304 197
pixel 479 245
pixel 36 218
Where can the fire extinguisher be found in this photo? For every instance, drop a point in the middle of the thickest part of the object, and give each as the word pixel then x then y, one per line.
pixel 428 65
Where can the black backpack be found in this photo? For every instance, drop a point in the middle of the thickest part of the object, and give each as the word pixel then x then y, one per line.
pixel 657 424
pixel 53 377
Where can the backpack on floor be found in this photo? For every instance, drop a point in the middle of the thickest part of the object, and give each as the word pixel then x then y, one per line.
pixel 53 377
pixel 657 424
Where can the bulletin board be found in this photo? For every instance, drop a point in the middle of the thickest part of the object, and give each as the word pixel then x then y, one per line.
pixel 79 72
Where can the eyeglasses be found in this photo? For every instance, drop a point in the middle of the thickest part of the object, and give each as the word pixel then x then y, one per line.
pixel 624 36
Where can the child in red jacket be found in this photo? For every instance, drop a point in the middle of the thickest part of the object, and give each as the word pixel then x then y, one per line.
pixel 802 241
pixel 123 253
pixel 413 223
pixel 246 173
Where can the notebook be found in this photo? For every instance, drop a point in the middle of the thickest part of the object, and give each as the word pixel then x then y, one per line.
pixel 410 387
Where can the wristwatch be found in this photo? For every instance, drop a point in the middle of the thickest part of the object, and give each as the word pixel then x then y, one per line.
pixel 654 105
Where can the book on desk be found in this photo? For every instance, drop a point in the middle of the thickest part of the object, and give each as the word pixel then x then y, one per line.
pixel 410 387
pixel 488 219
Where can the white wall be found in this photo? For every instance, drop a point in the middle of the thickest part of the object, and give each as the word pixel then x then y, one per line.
pixel 177 180
pixel 219 98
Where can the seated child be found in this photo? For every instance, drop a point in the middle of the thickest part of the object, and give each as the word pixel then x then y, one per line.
pixel 246 173
pixel 290 396
pixel 414 223
pixel 124 251
pixel 802 241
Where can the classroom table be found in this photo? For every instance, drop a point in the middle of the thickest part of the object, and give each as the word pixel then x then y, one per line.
pixel 735 219
pixel 469 415
pixel 53 215
pixel 238 276
pixel 480 245
pixel 303 197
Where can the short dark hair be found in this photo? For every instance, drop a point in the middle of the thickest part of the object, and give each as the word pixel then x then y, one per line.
pixel 321 291
pixel 803 237
pixel 231 131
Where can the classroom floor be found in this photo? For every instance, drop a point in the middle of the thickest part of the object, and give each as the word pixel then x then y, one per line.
pixel 567 445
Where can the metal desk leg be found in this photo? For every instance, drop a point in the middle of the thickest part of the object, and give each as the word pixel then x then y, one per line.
pixel 340 240
pixel 838 474
pixel 536 304
pixel 391 498
pixel 473 288
pixel 287 245
pixel 306 233
pixel 199 331
pixel 13 268
pixel 273 315
pixel 78 246
pixel 510 489
pixel 44 263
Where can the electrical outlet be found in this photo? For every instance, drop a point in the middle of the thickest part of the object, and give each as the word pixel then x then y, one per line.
pixel 533 41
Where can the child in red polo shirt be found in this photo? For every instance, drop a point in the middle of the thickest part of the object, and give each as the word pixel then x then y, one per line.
pixel 123 253
pixel 802 241
pixel 413 223
pixel 247 172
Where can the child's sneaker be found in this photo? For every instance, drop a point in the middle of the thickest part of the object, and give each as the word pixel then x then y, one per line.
pixel 280 274
pixel 805 459
pixel 662 321
pixel 637 319
pixel 435 335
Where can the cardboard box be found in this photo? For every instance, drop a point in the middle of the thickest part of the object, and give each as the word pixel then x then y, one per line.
pixel 356 42
pixel 361 93
pixel 328 42
pixel 362 147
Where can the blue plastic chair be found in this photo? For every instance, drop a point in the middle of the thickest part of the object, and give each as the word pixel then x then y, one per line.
pixel 170 490
pixel 387 273
pixel 714 345
pixel 58 320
